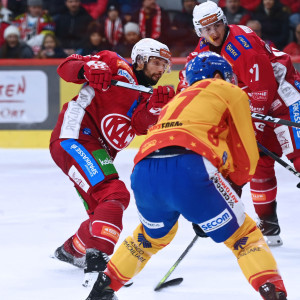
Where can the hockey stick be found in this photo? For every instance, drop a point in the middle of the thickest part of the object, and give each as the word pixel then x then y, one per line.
pixel 257 116
pixel 130 86
pixel 274 120
pixel 176 281
pixel 279 160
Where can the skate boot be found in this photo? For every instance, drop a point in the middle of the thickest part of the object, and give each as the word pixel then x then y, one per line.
pixel 96 262
pixel 62 254
pixel 268 292
pixel 269 227
pixel 101 289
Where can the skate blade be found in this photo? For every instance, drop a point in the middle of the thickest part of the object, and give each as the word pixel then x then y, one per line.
pixel 273 240
pixel 90 279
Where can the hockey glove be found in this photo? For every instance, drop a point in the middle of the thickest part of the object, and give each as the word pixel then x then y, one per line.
pixel 98 74
pixel 199 231
pixel 160 97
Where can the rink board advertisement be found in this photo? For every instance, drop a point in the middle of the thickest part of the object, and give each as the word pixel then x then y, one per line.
pixel 32 95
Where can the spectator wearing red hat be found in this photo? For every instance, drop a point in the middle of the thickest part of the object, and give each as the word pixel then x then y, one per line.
pixel 13 47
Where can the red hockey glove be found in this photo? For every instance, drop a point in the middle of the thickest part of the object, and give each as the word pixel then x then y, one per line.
pixel 160 97
pixel 98 74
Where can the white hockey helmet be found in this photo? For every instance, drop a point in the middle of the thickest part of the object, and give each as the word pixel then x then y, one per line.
pixel 206 14
pixel 147 48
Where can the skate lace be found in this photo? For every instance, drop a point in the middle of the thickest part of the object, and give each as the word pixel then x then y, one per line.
pixel 105 257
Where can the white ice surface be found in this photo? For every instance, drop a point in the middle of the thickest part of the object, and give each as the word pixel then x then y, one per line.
pixel 39 209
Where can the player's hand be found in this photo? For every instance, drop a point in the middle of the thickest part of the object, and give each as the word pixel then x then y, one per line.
pixel 160 97
pixel 199 231
pixel 98 74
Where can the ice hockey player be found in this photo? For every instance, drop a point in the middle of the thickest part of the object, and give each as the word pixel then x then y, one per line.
pixel 92 128
pixel 204 141
pixel 273 86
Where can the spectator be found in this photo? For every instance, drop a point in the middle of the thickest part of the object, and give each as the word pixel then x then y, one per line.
pixel 183 37
pixel 71 26
pixel 113 27
pixel 13 47
pixel 54 7
pixel 274 21
pixel 127 7
pixel 153 21
pixel 33 24
pixel 50 48
pixel 294 11
pixel 293 48
pixel 17 7
pixel 95 8
pixel 235 13
pixel 256 27
pixel 96 40
pixel 5 14
pixel 131 37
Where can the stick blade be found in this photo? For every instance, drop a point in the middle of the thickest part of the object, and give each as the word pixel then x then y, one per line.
pixel 172 282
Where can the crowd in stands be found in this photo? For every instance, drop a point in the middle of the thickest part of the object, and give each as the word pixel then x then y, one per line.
pixel 58 28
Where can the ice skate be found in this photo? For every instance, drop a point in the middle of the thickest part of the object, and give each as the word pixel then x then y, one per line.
pixel 101 289
pixel 63 255
pixel 268 292
pixel 270 229
pixel 95 262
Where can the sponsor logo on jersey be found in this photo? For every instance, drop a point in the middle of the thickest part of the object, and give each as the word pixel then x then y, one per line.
pixel 240 243
pixel 86 131
pixel 104 161
pixel 297 84
pixel 295 117
pixel 245 28
pixel 243 41
pixel 260 95
pixel 256 109
pixel 85 160
pixel 203 43
pixel 125 74
pixel 78 178
pixel 117 130
pixel 284 138
pixel 148 145
pixel 124 65
pixel 209 20
pixel 259 126
pixel 142 240
pixel 134 250
pixel 275 105
pixel 232 51
pixel 225 190
pixel 217 222
pixel 151 225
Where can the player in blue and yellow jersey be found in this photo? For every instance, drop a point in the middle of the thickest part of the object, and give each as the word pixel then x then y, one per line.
pixel 192 163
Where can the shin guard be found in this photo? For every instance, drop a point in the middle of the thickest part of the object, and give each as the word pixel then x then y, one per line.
pixel 133 254
pixel 254 256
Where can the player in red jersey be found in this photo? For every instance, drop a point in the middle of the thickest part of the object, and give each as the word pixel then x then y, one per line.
pixel 273 86
pixel 92 128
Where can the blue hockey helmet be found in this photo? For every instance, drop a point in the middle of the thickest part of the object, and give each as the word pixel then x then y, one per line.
pixel 206 65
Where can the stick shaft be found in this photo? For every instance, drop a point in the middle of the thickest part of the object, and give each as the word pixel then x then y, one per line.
pixel 274 120
pixel 185 252
pixel 278 159
pixel 131 86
